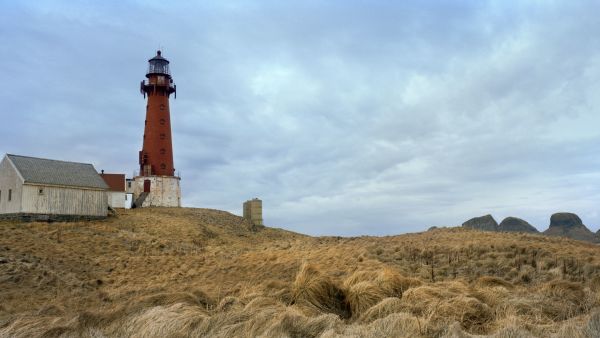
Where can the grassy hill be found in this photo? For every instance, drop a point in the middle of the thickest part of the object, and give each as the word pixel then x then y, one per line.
pixel 198 272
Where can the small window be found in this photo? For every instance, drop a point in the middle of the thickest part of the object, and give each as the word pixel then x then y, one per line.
pixel 128 184
pixel 162 107
pixel 9 195
pixel 163 151
pixel 40 191
pixel 162 121
pixel 163 166
pixel 162 136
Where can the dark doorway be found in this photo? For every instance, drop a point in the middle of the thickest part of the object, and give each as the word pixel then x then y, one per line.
pixel 146 185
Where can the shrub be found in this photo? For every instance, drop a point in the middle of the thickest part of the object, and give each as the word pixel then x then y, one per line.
pixel 363 295
pixel 312 288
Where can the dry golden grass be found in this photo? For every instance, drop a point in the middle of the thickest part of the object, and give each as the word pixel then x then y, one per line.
pixel 207 273
pixel 314 289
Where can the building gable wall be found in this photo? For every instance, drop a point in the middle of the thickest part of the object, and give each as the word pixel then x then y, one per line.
pixel 10 180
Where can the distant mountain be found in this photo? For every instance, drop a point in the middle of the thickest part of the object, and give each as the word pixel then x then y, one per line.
pixel 562 224
pixel 569 225
pixel 514 224
pixel 485 223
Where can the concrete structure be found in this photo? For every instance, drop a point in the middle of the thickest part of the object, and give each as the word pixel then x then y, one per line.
pixel 42 189
pixel 253 211
pixel 116 189
pixel 157 184
pixel 157 191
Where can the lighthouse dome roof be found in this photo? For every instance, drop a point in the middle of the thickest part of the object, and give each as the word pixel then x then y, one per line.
pixel 158 57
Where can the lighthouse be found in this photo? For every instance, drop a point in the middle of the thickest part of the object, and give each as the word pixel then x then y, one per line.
pixel 157 184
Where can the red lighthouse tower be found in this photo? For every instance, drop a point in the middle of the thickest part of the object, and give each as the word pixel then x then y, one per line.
pixel 156 156
pixel 157 184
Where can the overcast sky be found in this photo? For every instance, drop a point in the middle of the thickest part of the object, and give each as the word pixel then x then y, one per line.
pixel 344 117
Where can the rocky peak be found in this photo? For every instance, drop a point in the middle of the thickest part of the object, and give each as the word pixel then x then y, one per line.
pixel 569 225
pixel 515 224
pixel 565 220
pixel 486 223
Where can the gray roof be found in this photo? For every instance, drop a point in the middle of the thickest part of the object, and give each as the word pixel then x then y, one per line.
pixel 53 172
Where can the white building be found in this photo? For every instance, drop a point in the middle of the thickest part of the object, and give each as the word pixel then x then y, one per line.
pixel 117 198
pixel 42 189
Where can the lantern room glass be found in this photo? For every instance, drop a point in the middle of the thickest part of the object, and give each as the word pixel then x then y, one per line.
pixel 158 66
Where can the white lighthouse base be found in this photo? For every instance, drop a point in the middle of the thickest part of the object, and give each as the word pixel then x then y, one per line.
pixel 164 191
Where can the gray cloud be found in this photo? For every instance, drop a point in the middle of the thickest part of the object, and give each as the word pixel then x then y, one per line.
pixel 345 117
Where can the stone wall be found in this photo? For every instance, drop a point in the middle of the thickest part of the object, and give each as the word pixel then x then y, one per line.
pixel 25 217
pixel 165 191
